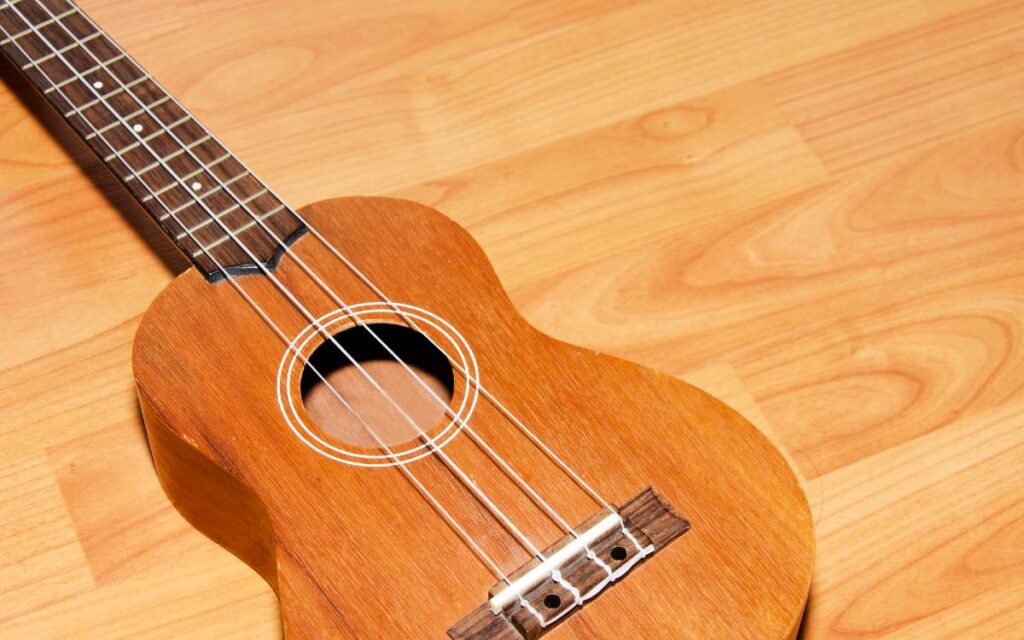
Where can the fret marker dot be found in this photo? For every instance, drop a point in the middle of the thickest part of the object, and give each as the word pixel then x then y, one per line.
pixel 196 186
pixel 137 128
pixel 97 85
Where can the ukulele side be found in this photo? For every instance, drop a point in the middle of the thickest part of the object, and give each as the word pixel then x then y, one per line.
pixel 358 552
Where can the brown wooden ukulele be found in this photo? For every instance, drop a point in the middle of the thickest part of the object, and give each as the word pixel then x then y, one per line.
pixel 344 397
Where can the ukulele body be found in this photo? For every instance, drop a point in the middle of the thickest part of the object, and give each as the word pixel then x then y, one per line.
pixel 356 551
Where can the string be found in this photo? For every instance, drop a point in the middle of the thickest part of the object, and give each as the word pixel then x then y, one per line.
pixel 580 482
pixel 497 458
pixel 490 451
pixel 479 440
pixel 408 473
pixel 551 512
pixel 497 404
pixel 143 141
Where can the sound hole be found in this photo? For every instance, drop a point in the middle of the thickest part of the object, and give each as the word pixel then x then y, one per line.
pixel 373 418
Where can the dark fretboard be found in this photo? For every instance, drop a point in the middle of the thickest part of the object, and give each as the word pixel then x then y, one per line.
pixel 217 212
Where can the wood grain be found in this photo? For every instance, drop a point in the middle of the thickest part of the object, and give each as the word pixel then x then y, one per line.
pixel 830 242
pixel 337 540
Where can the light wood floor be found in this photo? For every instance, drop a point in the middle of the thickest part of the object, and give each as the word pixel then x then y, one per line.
pixel 814 209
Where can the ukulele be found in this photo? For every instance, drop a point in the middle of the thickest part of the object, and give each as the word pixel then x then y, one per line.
pixel 344 397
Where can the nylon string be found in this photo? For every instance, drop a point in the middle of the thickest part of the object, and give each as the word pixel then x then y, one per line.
pixel 437 505
pixel 445 514
pixel 141 140
pixel 547 508
pixel 566 468
pixel 215 217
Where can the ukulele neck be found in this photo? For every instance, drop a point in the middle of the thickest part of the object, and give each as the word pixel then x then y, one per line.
pixel 217 212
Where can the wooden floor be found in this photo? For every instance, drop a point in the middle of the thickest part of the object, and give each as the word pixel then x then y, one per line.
pixel 814 209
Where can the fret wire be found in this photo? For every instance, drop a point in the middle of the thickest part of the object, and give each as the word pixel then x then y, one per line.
pixel 220 160
pixel 216 189
pixel 102 98
pixel 177 103
pixel 45 23
pixel 102 65
pixel 245 227
pixel 59 52
pixel 120 152
pixel 214 164
pixel 233 207
pixel 153 105
pixel 185 178
pixel 247 200
pixel 195 144
pixel 225 212
pixel 103 130
pixel 162 190
pixel 176 123
pixel 181 208
pixel 170 156
pixel 236 179
pixel 131 115
pixel 188 149
pixel 192 174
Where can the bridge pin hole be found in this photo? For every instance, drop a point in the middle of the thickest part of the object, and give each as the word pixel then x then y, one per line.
pixel 552 601
pixel 619 554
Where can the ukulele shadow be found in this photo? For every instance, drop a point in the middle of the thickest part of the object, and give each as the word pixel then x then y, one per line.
pixel 93 168
pixel 804 633
pixel 98 174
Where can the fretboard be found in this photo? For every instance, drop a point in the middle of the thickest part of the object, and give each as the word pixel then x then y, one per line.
pixel 221 216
